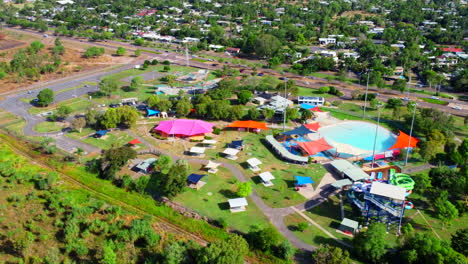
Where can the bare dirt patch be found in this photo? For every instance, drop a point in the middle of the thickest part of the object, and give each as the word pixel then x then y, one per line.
pixel 6 44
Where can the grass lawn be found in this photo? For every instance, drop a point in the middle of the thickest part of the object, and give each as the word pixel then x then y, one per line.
pixel 113 138
pixel 461 129
pixel 311 235
pixel 433 101
pixel 46 127
pixel 77 105
pixel 421 223
pixel 84 133
pixel 76 87
pixel 302 91
pixel 211 201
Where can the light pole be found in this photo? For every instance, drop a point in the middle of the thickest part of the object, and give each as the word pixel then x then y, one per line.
pixel 376 133
pixel 284 111
pixel 365 97
pixel 410 133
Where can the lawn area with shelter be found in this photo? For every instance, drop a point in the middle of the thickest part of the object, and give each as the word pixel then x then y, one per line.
pixel 212 200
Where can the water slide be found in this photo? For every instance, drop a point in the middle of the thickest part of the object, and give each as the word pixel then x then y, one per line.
pixel 402 180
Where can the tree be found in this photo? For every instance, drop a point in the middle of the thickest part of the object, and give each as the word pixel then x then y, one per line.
pixel 324 89
pixel 166 68
pixel 120 51
pixel 164 105
pixel 152 101
pixel 36 46
pixel 394 103
pixel 253 113
pixel 175 253
pixel 399 85
pixel 107 86
pixel 266 45
pixel 237 112
pixel 45 97
pixel 292 113
pixel 460 241
pixel 285 250
pixel 326 254
pixel 93 117
pixel 244 189
pixel 78 124
pixel 302 226
pixel 137 83
pixel 137 53
pixel 445 210
pixel 264 239
pixel 64 111
pixel 268 113
pixel 108 254
pixel 141 183
pixel 183 107
pixel 306 115
pixel 371 244
pixel 127 116
pixel 173 182
pixel 110 119
pixel 244 96
pixel 224 252
pixel 93 52
pixel 113 159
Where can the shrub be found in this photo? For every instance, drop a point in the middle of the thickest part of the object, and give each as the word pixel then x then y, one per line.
pixel 216 130
pixel 302 226
pixel 337 102
pixel 324 89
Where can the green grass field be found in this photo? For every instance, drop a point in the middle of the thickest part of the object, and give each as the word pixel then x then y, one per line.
pixel 77 105
pixel 211 201
pixel 113 138
pixel 433 101
pixel 312 92
pixel 46 127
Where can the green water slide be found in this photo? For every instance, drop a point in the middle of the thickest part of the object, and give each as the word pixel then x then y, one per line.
pixel 403 180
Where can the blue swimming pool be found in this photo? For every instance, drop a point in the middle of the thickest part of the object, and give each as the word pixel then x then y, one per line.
pixel 359 134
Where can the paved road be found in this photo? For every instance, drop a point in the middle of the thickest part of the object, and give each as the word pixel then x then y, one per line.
pixel 179 59
pixel 12 103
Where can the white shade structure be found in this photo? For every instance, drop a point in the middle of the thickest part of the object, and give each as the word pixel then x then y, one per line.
pixel 253 164
pixel 237 204
pixel 212 166
pixel 209 142
pixel 198 151
pixel 267 177
pixel 231 153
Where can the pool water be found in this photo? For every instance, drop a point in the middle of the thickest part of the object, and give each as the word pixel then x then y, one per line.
pixel 360 135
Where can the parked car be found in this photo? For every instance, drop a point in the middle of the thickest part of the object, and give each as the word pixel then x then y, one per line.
pixel 435 97
pixel 311 77
pixel 456 107
pixel 406 99
pixel 260 74
pixel 214 64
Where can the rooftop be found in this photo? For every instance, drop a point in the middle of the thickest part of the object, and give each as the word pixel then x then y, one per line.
pixel 388 190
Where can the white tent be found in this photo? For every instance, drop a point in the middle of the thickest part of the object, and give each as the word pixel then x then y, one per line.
pixel 237 204
pixel 253 164
pixel 212 166
pixel 198 151
pixel 231 153
pixel 267 177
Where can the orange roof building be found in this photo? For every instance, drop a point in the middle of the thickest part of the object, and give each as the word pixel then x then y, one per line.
pixel 402 141
pixel 249 125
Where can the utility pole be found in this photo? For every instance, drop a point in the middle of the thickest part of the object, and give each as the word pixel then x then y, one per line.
pixel 365 97
pixel 187 55
pixel 410 134
pixel 285 106
pixel 376 133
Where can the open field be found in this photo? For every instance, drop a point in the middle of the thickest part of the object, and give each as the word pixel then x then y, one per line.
pixel 46 127
pixel 78 105
pixel 113 138
pixel 211 200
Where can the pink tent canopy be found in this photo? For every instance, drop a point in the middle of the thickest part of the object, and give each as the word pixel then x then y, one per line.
pixel 184 127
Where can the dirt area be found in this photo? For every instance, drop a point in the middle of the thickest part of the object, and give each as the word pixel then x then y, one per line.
pixel 357 12
pixel 72 60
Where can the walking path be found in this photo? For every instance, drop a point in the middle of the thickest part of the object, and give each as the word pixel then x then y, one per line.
pixel 320 227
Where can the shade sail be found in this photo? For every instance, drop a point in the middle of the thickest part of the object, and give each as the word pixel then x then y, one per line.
pixel 402 141
pixel 184 127
pixel 102 132
pixel 313 126
pixel 303 180
pixel 248 124
pixel 237 144
pixel 314 147
pixel 152 112
pixel 301 131
pixel 134 141
pixel 316 109
pixel 195 178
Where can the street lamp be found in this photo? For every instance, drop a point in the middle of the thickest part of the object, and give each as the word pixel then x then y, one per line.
pixel 411 133
pixel 379 106
pixel 285 97
pixel 365 97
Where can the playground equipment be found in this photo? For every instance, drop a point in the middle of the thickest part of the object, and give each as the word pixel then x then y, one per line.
pixel 409 205
pixel 402 180
pixel 379 201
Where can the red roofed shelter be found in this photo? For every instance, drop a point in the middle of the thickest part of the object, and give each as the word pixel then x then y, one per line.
pixel 249 125
pixel 313 126
pixel 316 109
pixel 452 49
pixel 314 147
pixel 402 141
pixel 134 141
